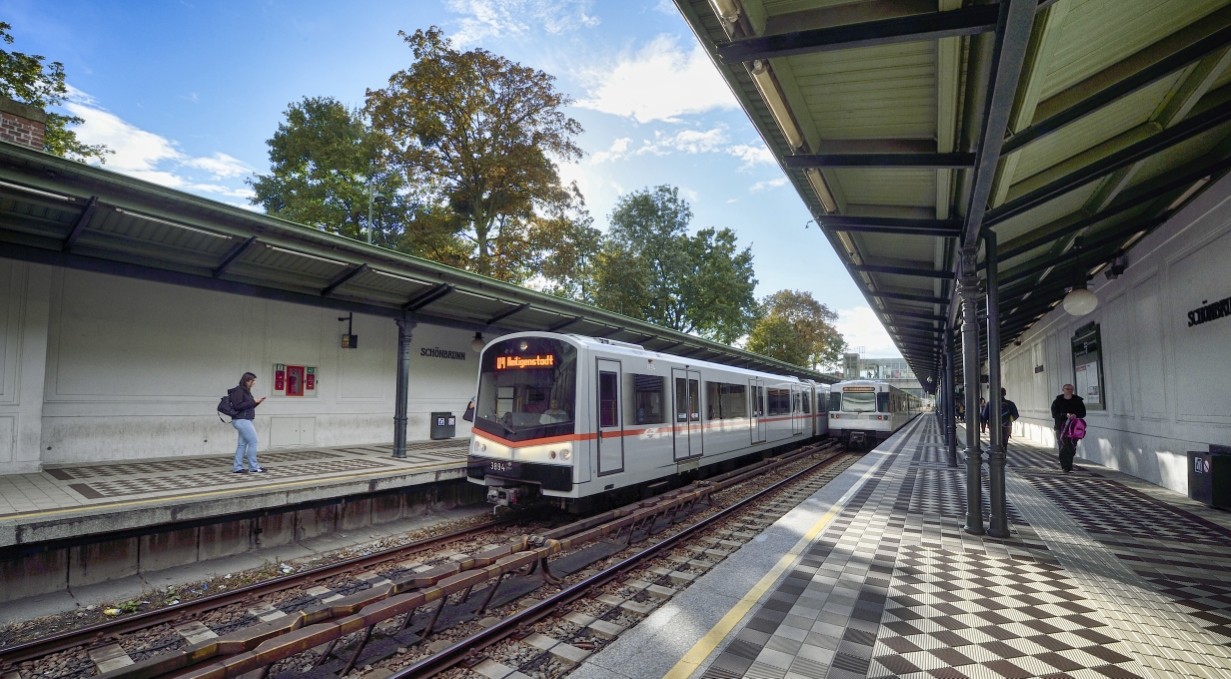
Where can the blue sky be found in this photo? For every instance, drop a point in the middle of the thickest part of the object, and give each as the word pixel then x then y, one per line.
pixel 187 92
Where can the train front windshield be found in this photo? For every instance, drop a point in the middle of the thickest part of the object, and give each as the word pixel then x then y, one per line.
pixel 859 402
pixel 527 389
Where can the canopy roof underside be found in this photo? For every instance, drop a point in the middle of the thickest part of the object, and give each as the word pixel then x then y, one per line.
pixel 1067 128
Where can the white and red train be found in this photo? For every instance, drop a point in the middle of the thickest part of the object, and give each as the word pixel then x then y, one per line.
pixel 572 417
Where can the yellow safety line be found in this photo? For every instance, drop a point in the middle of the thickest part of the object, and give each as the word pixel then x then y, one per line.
pixel 152 500
pixel 706 644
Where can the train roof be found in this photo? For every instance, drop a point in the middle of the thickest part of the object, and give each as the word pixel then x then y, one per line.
pixel 627 348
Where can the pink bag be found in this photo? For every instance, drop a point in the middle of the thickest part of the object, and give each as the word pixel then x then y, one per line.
pixel 1074 429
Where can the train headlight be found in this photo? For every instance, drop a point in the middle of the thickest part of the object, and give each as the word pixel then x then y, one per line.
pixel 566 453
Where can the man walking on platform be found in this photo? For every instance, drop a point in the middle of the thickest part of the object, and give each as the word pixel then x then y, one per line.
pixel 1067 406
pixel 1008 414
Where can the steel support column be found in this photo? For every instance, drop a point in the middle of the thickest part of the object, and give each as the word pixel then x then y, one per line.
pixel 951 403
pixel 998 524
pixel 405 332
pixel 968 287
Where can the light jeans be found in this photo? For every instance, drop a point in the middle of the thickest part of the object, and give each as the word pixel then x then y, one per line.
pixel 247 441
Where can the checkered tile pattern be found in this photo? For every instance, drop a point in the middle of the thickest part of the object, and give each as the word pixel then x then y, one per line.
pixel 99 471
pixel 961 614
pixel 121 487
pixel 894 588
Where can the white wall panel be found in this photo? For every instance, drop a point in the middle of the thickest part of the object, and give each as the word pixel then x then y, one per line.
pixel 1167 384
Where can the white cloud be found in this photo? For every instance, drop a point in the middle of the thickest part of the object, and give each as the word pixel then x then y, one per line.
pixel 666 7
pixel 498 18
pixel 619 148
pixel 152 157
pixel 137 152
pixel 220 165
pixel 768 184
pixel 863 332
pixel 660 82
pixel 686 141
pixel 751 155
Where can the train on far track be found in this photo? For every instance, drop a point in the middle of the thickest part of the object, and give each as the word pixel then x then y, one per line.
pixel 863 413
pixel 593 421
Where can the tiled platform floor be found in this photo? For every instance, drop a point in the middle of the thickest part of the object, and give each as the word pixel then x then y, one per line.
pixel 1097 580
pixel 101 483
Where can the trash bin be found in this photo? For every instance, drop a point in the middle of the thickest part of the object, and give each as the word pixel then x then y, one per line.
pixel 444 426
pixel 1209 478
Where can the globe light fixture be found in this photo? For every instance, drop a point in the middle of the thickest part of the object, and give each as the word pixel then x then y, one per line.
pixel 1080 302
pixel 477 343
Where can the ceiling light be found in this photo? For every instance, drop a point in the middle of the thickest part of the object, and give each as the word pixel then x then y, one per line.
pixel 1080 302
pixel 822 189
pixel 727 10
pixel 764 79
pixel 477 343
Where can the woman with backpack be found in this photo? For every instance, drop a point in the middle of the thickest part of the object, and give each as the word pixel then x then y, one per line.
pixel 1073 430
pixel 245 411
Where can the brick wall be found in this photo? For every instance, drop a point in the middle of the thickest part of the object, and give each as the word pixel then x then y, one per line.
pixel 22 124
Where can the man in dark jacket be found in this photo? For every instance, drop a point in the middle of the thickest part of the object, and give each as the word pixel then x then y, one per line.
pixel 1008 414
pixel 1066 407
pixel 245 407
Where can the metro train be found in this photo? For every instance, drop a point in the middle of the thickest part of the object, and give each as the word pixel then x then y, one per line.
pixel 589 420
pixel 866 412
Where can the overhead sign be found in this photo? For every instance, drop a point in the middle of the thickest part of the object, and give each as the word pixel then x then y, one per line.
pixel 858 388
pixel 523 362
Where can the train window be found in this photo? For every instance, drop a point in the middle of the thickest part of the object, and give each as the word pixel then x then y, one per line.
pixel 725 401
pixel 527 389
pixel 807 402
pixel 687 393
pixel 649 399
pixel 758 401
pixel 858 402
pixel 608 403
pixel 779 402
pixel 835 400
pixel 882 401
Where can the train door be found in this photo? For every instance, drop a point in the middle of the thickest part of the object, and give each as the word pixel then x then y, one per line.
pixel 610 424
pixel 687 391
pixel 756 387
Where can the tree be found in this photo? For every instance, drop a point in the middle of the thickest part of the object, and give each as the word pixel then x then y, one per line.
pixel 649 267
pixel 325 167
pixel 25 78
pixel 485 133
pixel 796 328
pixel 568 245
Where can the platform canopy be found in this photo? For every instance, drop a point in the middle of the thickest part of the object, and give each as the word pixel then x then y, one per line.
pixel 1068 128
pixel 63 213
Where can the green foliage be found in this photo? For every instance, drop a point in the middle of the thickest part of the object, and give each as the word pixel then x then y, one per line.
pixel 484 133
pixel 325 165
pixel 795 328
pixel 649 267
pixel 27 79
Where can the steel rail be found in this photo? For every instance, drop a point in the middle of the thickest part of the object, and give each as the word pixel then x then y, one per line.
pixel 189 609
pixel 382 602
pixel 518 622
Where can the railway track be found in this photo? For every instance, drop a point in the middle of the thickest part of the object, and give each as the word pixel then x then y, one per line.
pixel 357 613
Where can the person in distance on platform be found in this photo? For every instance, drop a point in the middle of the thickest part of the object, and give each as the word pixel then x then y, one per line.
pixel 553 414
pixel 982 418
pixel 1008 414
pixel 1067 406
pixel 245 407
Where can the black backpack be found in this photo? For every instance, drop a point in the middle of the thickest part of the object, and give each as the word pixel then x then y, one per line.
pixel 225 407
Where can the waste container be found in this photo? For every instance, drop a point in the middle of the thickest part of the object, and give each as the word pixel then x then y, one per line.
pixel 444 426
pixel 1209 478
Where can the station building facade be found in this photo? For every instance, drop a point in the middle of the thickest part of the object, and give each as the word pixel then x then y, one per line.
pixel 1153 361
pixel 102 367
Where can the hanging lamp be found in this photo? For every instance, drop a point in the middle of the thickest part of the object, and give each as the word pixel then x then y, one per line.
pixel 1080 301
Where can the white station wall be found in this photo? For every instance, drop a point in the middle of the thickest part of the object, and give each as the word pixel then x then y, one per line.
pixel 1167 385
pixel 99 367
